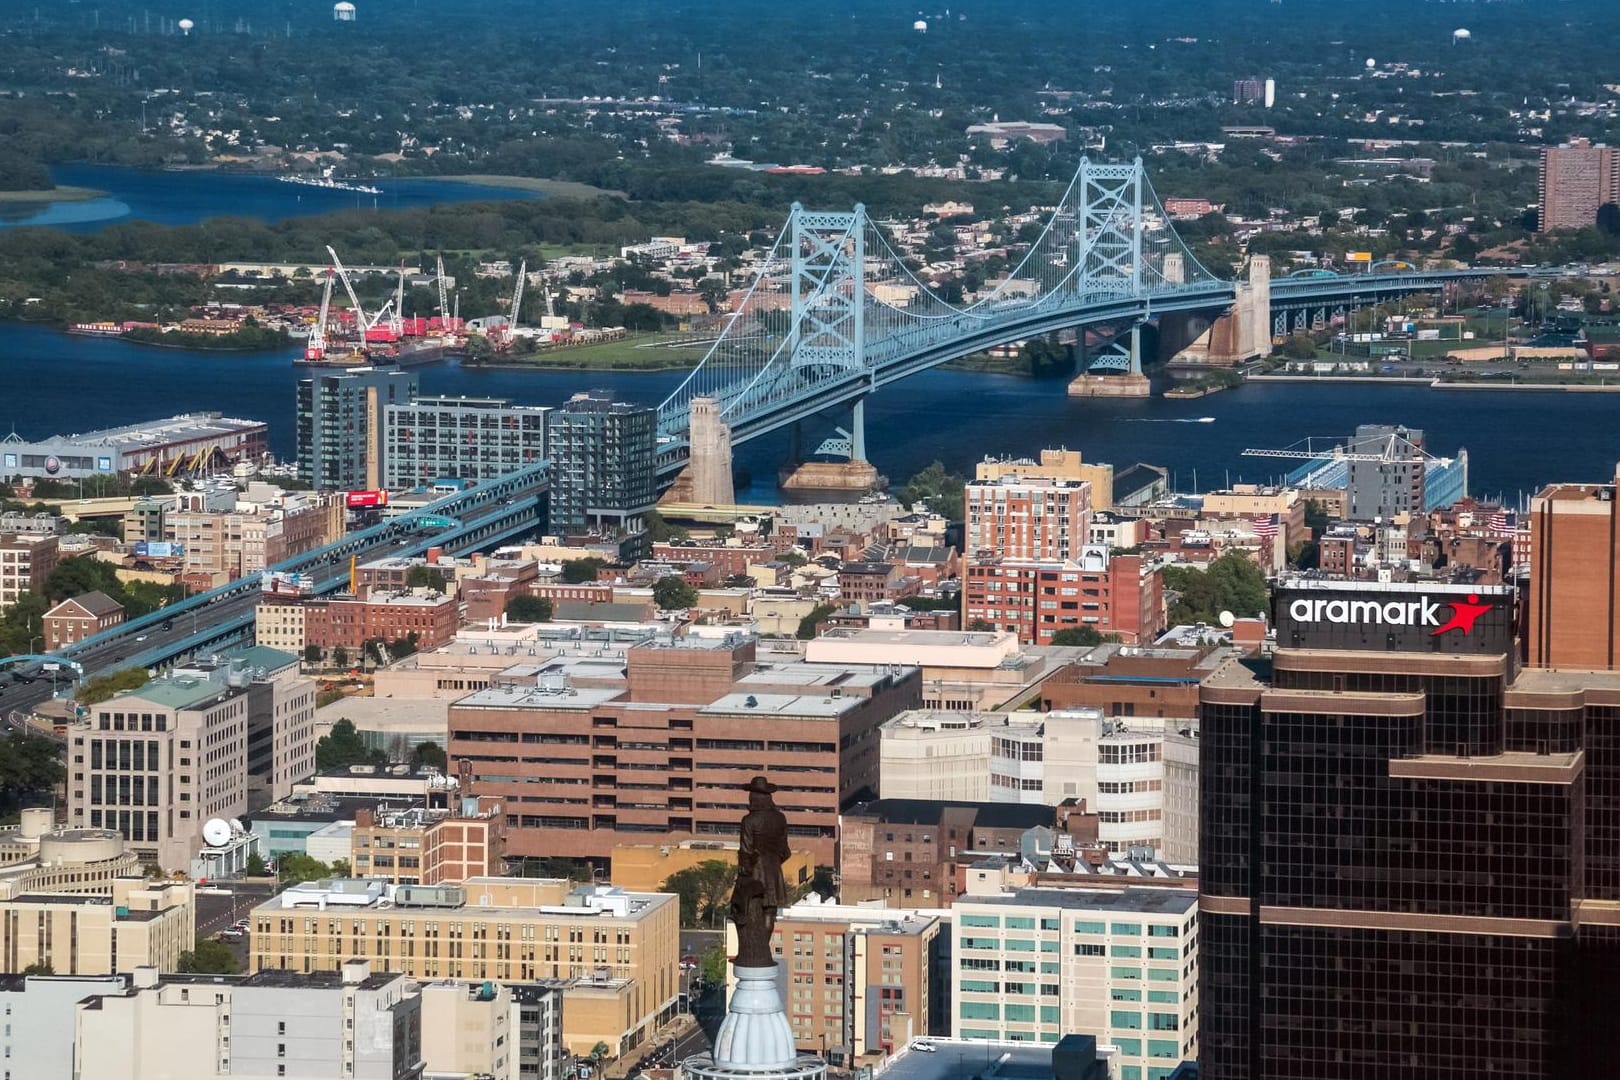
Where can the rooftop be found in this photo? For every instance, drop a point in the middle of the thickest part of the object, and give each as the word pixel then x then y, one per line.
pixel 930 812
pixel 172 429
pixel 182 691
pixel 782 705
pixel 1142 901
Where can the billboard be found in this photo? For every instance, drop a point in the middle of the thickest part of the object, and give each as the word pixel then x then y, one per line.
pixel 360 499
pixel 158 549
pixel 1394 617
pixel 1358 256
pixel 276 581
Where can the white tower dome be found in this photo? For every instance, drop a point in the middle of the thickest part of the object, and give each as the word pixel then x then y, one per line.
pixel 343 11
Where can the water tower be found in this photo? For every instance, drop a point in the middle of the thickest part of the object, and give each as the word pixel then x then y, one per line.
pixel 343 11
pixel 186 26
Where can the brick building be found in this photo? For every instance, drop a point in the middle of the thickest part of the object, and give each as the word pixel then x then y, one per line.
pixel 79 617
pixel 352 621
pixel 25 562
pixel 1112 594
pixel 1034 518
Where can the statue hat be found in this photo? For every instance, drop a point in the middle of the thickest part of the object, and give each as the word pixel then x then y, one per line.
pixel 760 785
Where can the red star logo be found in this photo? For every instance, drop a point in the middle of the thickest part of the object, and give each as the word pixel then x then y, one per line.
pixel 1464 613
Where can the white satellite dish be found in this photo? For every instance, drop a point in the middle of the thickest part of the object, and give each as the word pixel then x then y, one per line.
pixel 1227 619
pixel 237 827
pixel 216 832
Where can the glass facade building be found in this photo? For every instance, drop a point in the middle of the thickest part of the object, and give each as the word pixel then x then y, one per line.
pixel 340 422
pixel 462 437
pixel 604 466
pixel 1409 847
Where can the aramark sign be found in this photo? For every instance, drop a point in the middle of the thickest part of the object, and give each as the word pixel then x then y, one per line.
pixel 1405 618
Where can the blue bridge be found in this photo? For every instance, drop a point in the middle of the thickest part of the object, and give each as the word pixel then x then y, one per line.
pixel 835 312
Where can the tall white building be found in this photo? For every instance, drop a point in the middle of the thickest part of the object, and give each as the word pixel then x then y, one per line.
pixel 1035 964
pixel 1117 766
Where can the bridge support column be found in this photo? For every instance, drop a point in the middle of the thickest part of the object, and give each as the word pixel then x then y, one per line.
pixel 857 430
pixel 706 480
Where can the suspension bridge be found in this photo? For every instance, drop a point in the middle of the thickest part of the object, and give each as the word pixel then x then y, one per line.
pixel 835 312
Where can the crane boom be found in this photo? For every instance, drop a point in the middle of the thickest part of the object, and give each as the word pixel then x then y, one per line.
pixel 396 321
pixel 316 349
pixel 444 296
pixel 348 287
pixel 517 294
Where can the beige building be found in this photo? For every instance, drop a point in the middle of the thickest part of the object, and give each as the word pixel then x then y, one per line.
pixel 961 670
pixel 1054 465
pixel 427 847
pixel 278 623
pixel 214 741
pixel 135 923
pixel 468 1029
pixel 862 981
pixel 617 951
pixel 37 858
pixel 235 543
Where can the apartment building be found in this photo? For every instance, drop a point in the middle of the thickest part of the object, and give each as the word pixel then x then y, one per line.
pixel 231 544
pixel 860 981
pixel 665 744
pixel 1058 464
pixel 616 952
pixel 1037 518
pixel 26 560
pixel 340 425
pixel 351 621
pixel 1577 178
pixel 132 924
pixel 1119 595
pixel 1032 965
pixel 494 1031
pixel 470 438
pixel 211 741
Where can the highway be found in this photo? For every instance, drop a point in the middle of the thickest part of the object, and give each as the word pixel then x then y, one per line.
pixel 496 512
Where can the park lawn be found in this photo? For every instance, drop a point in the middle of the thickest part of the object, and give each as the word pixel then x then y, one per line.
pixel 561 189
pixel 634 353
pixel 56 194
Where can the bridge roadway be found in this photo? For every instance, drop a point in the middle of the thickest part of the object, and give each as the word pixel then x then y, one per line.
pixel 780 402
pixel 492 513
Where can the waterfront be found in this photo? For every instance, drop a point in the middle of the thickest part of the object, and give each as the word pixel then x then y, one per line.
pixel 51 382
pixel 185 197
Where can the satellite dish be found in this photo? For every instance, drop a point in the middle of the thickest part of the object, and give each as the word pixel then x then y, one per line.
pixel 237 827
pixel 1227 619
pixel 186 26
pixel 216 832
pixel 1371 63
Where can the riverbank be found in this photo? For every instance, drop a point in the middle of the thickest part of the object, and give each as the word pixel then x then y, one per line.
pixel 556 189
pixel 631 354
pixel 1444 384
pixel 63 194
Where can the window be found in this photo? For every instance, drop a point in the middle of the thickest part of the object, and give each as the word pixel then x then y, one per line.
pixel 1120 1018
pixel 1133 929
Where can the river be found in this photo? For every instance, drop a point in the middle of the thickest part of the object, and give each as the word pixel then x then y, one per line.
pixel 1517 440
pixel 185 197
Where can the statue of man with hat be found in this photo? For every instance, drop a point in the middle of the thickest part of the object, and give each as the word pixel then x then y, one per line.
pixel 761 889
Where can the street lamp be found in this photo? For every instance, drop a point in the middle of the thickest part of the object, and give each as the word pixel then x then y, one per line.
pixel 33 639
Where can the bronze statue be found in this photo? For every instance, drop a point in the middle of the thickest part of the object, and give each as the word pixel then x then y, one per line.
pixel 760 888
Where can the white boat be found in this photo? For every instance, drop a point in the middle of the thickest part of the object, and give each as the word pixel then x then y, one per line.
pixel 329 182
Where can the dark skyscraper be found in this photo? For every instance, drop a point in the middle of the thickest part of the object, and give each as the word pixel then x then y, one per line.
pixel 1409 849
pixel 604 466
pixel 340 425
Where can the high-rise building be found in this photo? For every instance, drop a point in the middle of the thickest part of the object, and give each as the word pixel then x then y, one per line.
pixel 604 465
pixel 1410 849
pixel 1574 594
pixel 340 425
pixel 462 437
pixel 1018 518
pixel 1390 480
pixel 1101 591
pixel 1060 464
pixel 1576 179
pixel 26 560
pixel 1032 965
pixel 1247 91
pixel 217 740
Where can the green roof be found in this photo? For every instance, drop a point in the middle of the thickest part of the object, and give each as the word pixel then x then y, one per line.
pixel 182 692
pixel 262 656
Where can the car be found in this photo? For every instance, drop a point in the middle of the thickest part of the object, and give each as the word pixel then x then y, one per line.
pixel 689 959
pixel 925 1047
pixel 232 934
pixel 168 624
pixel 140 637
pixel 241 924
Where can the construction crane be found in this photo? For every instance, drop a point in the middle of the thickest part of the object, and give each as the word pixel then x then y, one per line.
pixel 444 298
pixel 517 303
pixel 315 350
pixel 396 321
pixel 1382 449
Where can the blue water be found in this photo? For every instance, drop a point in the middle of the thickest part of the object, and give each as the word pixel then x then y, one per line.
pixel 1517 441
pixel 184 198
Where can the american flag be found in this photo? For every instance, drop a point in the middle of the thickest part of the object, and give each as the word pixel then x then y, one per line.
pixel 1266 526
pixel 1502 521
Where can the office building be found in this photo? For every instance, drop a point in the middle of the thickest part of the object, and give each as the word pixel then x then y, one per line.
pixel 430 438
pixel 1114 766
pixel 604 466
pixel 1577 178
pixel 861 981
pixel 1574 592
pixel 190 443
pixel 26 560
pixel 1119 595
pixel 134 922
pixel 961 670
pixel 493 1031
pixel 341 422
pixel 211 741
pixel 1016 517
pixel 36 857
pixel 1032 965
pixel 246 538
pixel 80 617
pixel 617 952
pixel 426 618
pixel 1410 848
pixel 585 753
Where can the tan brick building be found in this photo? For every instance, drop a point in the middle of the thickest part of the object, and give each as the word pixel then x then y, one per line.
pixel 25 563
pixel 1574 601
pixel 138 924
pixel 426 847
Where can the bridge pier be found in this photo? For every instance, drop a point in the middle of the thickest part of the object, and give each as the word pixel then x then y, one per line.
pixel 707 478
pixel 854 474
pixel 1116 372
pixel 1242 333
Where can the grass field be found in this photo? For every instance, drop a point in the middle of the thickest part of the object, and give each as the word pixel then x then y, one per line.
pixel 561 189
pixel 58 194
pixel 638 352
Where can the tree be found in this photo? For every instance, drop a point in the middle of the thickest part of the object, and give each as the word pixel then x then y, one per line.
pixel 1232 583
pixel 340 656
pixel 818 615
pixel 672 593
pixel 312 654
pixel 1299 347
pixel 794 558
pixel 400 648
pixel 981 626
pixel 599 1051
pixel 941 490
pixel 823 883
pixel 703 890
pixel 529 609
pixel 295 867
pixel 1078 635
pixel 341 747
pixel 255 866
pixel 103 687
pixel 580 571
pixel 209 957
pixel 430 753
pixel 714 966
pixel 425 577
pixel 30 769
pixel 39 967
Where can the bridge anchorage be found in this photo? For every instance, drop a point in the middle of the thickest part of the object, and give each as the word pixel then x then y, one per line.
pixel 835 314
